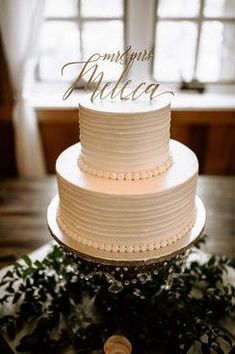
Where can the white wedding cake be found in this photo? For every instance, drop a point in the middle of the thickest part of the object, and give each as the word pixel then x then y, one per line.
pixel 126 191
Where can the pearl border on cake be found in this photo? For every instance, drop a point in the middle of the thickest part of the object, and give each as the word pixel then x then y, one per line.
pixel 127 176
pixel 122 248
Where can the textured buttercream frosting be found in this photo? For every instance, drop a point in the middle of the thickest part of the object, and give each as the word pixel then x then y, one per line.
pixel 127 216
pixel 125 140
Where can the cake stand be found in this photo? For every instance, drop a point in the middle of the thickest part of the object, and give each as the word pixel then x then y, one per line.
pixel 124 270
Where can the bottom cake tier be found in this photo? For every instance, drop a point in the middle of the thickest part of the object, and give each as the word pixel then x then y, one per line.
pixel 122 218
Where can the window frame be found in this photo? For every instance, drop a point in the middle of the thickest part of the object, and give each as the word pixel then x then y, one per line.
pixel 79 20
pixel 199 20
pixel 140 19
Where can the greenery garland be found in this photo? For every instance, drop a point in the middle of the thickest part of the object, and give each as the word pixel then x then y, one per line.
pixel 176 310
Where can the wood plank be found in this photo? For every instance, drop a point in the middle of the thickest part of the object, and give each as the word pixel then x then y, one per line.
pixel 219 153
pixel 23 205
pixel 57 117
pixel 203 118
pixel 57 138
pixel 181 133
pixel 218 194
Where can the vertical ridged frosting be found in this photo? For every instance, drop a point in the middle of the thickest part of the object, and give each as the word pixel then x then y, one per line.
pixel 128 140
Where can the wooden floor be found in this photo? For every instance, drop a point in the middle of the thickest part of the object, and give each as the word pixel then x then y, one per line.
pixel 23 206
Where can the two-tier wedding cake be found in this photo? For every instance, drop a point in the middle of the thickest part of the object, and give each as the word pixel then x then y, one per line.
pixel 126 191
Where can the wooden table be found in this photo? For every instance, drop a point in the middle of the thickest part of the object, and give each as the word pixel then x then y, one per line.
pixel 23 205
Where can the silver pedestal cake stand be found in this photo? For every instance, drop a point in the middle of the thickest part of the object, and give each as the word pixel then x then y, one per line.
pixel 122 270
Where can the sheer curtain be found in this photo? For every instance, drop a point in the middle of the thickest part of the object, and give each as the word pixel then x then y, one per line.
pixel 20 22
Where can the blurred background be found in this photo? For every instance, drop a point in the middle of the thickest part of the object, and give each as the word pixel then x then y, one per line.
pixel 194 45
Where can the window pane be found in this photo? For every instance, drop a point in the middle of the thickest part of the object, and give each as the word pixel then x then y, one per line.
pixel 102 8
pixel 61 8
pixel 219 8
pixel 59 44
pixel 178 8
pixel 217 52
pixel 103 37
pixel 175 50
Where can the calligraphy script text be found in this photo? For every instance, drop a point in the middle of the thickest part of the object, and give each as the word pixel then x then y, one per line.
pixel 121 88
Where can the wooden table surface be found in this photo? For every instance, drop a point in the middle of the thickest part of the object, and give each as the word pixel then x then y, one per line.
pixel 23 205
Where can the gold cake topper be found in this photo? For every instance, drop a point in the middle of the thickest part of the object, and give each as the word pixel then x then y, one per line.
pixel 122 87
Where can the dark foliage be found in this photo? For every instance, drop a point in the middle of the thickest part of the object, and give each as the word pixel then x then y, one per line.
pixel 178 307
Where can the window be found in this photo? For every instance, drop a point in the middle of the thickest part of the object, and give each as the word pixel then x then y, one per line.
pixel 75 29
pixel 195 40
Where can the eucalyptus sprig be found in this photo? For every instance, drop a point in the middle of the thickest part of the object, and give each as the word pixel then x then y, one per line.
pixel 182 307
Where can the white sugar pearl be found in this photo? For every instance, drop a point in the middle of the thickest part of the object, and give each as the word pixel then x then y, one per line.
pixel 95 244
pixel 143 175
pixel 164 243
pixel 128 176
pixel 113 176
pixel 136 248
pixel 101 246
pixel 115 248
pixel 155 172
pixel 168 163
pixel 130 249
pixel 108 248
pixel 162 169
pixel 120 176
pixel 106 175
pixel 150 247
pixel 100 173
pixel 136 176
pixel 157 246
pixel 180 235
pixel 143 248
pixel 122 249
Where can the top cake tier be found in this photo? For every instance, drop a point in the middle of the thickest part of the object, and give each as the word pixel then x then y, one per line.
pixel 125 140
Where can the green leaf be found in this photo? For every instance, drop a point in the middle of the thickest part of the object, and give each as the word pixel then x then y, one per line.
pixel 4 282
pixel 10 289
pixel 18 265
pixel 38 264
pixel 27 260
pixel 57 294
pixel 8 274
pixel 4 299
